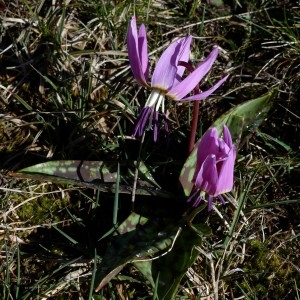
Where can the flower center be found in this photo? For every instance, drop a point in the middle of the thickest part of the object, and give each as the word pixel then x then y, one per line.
pixel 156 99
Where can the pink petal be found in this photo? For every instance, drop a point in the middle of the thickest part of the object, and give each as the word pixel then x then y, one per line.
pixel 223 150
pixel 143 50
pixel 208 145
pixel 137 52
pixel 166 69
pixel 204 95
pixel 227 136
pixel 189 83
pixel 207 177
pixel 225 182
pixel 183 56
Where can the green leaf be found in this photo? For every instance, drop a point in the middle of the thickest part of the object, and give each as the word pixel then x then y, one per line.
pixel 161 249
pixel 165 271
pixel 100 175
pixel 136 239
pixel 241 120
pixel 247 116
pixel 170 268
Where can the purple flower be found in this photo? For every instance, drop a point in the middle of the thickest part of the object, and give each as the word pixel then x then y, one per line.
pixel 167 77
pixel 215 166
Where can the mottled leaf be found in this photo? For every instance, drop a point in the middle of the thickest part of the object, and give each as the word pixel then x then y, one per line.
pixel 100 175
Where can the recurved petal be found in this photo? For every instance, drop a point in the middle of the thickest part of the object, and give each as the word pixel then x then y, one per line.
pixel 166 68
pixel 205 94
pixel 189 83
pixel 138 56
pixel 183 56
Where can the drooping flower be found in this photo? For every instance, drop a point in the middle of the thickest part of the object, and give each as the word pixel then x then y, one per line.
pixel 215 166
pixel 167 79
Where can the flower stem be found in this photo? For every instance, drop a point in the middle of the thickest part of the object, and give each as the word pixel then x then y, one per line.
pixel 194 126
pixel 195 110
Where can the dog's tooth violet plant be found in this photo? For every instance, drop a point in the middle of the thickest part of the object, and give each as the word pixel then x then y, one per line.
pixel 214 167
pixel 167 81
pixel 172 181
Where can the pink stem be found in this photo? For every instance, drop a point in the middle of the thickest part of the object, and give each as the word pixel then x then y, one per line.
pixel 195 110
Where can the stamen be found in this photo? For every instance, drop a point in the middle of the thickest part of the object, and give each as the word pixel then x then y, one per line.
pixel 155 125
pixel 210 202
pixel 141 123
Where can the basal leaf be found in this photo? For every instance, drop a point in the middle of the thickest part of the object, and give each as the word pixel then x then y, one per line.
pixel 253 112
pixel 136 239
pixel 167 269
pixel 241 120
pixel 170 268
pixel 100 175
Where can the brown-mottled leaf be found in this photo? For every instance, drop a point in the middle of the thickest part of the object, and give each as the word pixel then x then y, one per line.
pixel 100 175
